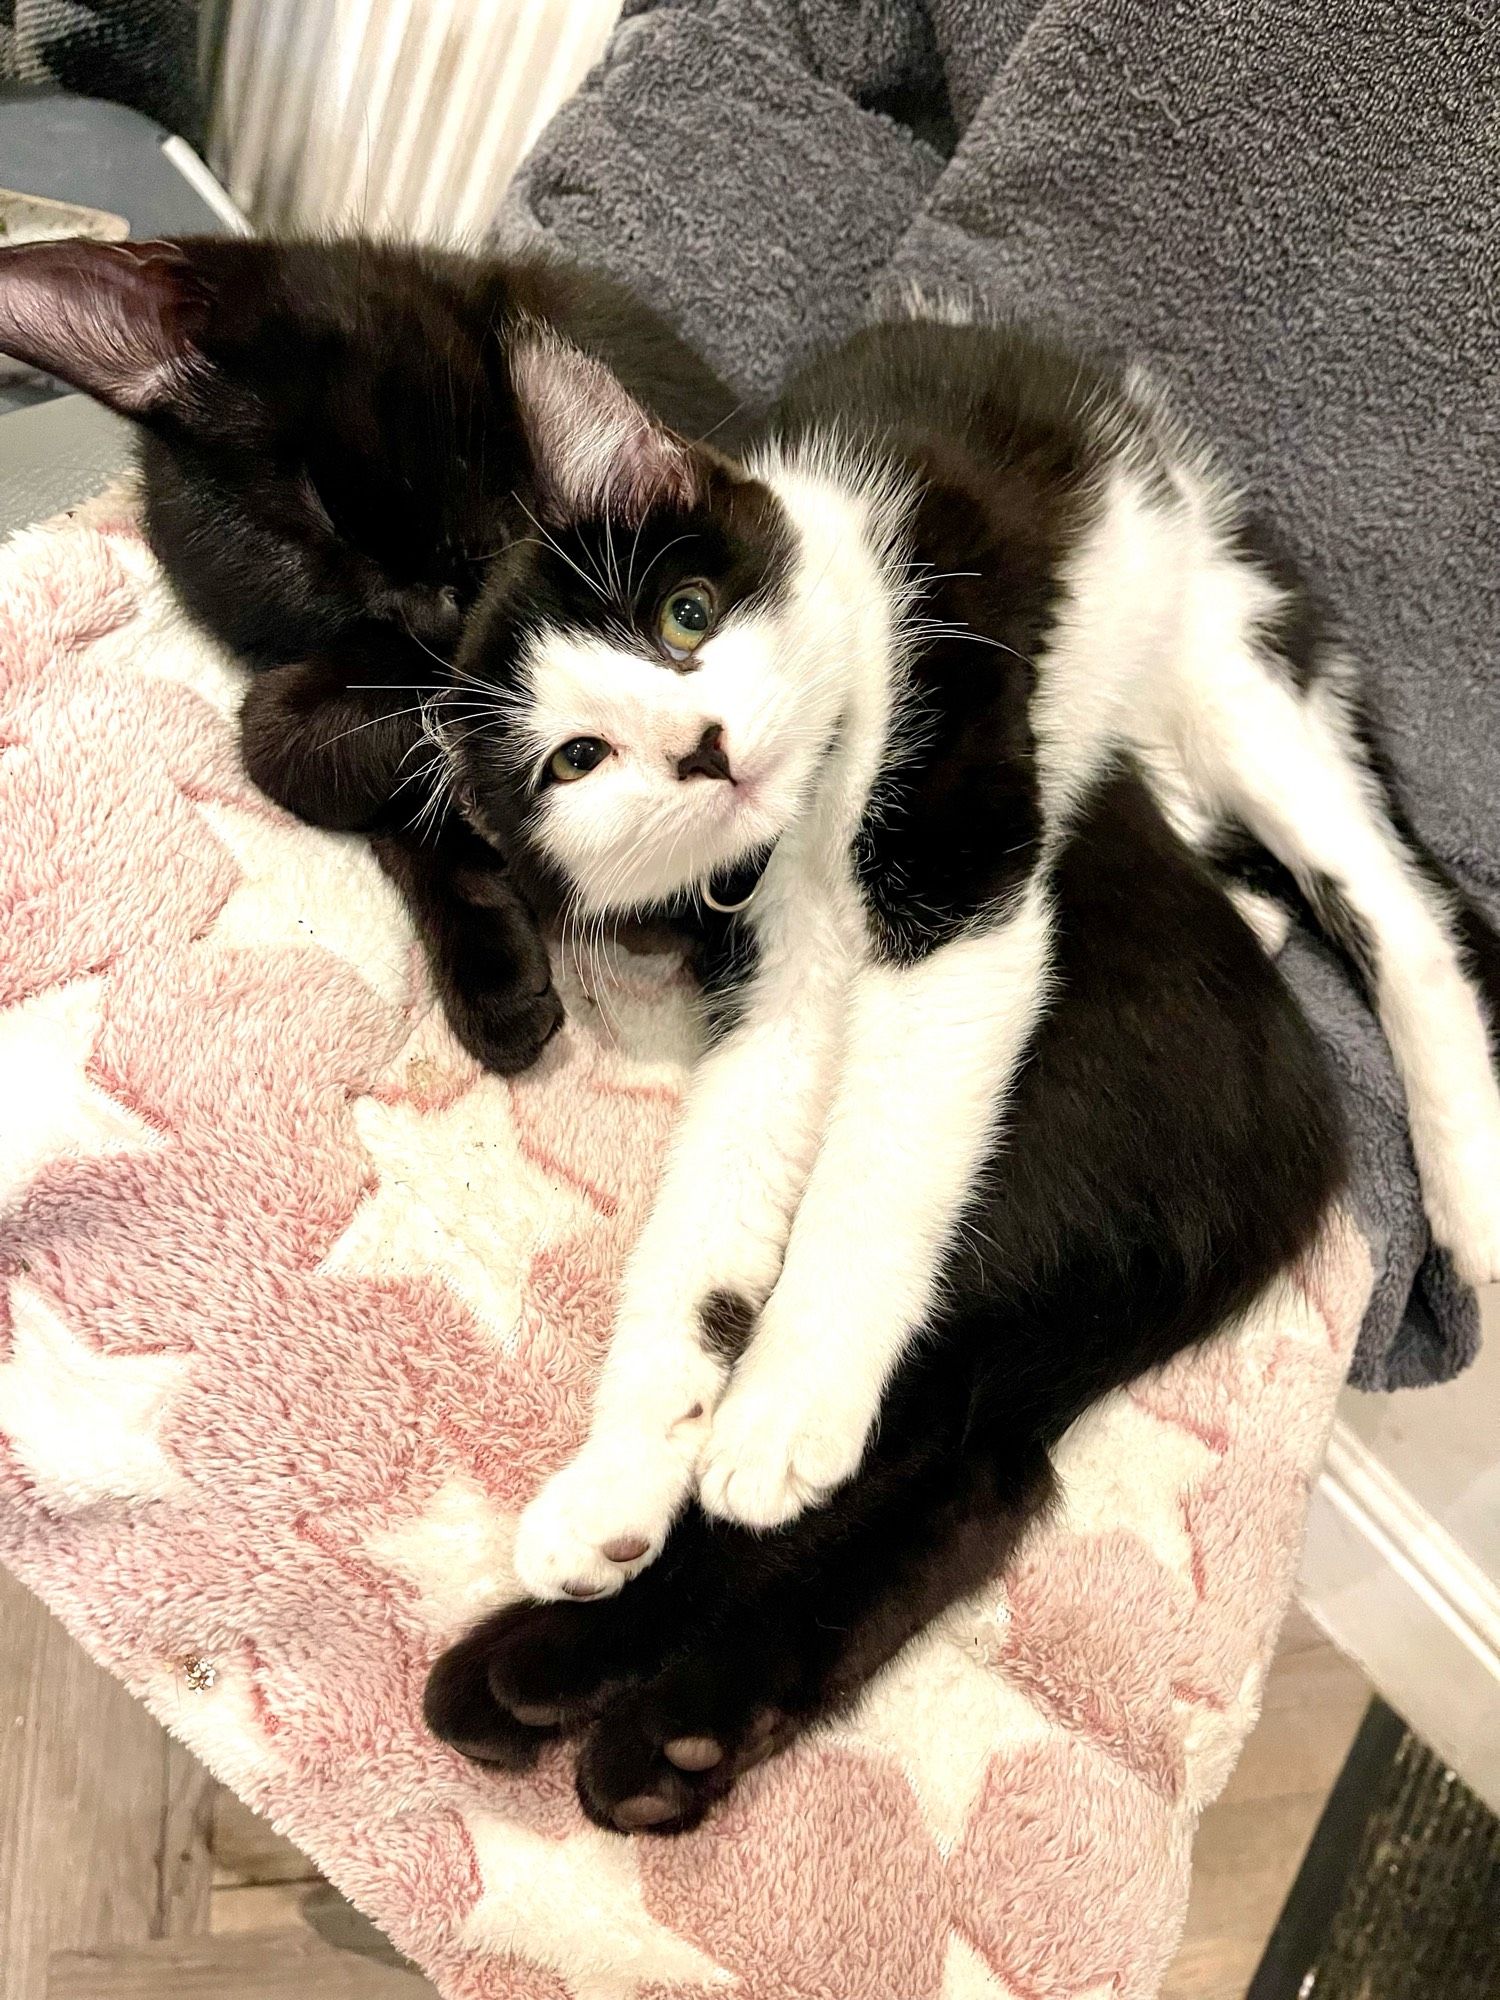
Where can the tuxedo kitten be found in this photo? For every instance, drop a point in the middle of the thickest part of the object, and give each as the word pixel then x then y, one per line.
pixel 331 455
pixel 935 705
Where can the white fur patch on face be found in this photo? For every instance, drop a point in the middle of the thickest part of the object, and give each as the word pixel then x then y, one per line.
pixel 796 686
pixel 632 831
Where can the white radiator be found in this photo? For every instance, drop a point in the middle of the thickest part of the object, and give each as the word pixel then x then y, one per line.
pixel 405 117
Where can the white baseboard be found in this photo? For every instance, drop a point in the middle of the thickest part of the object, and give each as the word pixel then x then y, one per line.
pixel 1396 1592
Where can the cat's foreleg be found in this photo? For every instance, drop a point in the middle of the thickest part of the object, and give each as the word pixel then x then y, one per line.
pixel 339 741
pixel 932 1051
pixel 703 1267
pixel 331 742
pixel 486 955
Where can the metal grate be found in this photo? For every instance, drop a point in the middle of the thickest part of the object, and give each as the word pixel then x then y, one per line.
pixel 1399 1896
pixel 1420 1919
pixel 400 116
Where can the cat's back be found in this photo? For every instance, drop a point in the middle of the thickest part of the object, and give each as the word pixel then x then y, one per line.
pixel 930 386
pixel 1050 504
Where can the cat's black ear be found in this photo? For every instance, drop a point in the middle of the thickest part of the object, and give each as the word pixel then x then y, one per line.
pixel 594 448
pixel 117 320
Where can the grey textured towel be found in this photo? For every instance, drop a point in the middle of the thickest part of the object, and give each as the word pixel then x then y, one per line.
pixel 710 164
pixel 1288 211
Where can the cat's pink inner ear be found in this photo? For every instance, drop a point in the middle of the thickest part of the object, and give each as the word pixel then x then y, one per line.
pixel 595 449
pixel 114 319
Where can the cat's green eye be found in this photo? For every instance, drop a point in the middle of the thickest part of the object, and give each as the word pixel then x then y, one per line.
pixel 686 618
pixel 576 759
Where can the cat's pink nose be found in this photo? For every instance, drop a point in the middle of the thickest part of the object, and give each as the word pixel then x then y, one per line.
pixel 708 758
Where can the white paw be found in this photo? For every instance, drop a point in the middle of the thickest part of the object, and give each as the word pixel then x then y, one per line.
pixel 770 1457
pixel 1469 1230
pixel 1463 1206
pixel 602 1519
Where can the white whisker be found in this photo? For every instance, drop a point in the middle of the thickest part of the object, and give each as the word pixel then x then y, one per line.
pixel 561 553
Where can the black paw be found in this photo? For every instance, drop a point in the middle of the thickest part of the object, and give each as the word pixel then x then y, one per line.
pixel 530 1672
pixel 661 1754
pixel 461 1709
pixel 504 1031
pixel 673 1695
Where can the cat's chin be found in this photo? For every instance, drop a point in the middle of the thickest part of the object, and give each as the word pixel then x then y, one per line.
pixel 713 863
pixel 749 826
pixel 647 897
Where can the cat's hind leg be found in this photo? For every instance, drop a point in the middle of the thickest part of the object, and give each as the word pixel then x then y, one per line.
pixel 530 1671
pixel 817 1609
pixel 736 1642
pixel 1290 765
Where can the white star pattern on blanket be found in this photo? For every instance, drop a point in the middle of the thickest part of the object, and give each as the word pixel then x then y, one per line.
pixel 576 1904
pixel 82 1424
pixel 298 891
pixel 52 1108
pixel 454 1197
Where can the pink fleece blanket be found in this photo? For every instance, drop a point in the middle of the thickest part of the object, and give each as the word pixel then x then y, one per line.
pixel 298 1308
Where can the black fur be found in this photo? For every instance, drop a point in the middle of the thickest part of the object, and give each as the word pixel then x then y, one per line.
pixel 1343 923
pixel 1171 1144
pixel 727 1322
pixel 985 421
pixel 724 956
pixel 332 458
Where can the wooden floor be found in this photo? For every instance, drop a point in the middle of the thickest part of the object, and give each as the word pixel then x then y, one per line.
pixel 1252 1839
pixel 126 1874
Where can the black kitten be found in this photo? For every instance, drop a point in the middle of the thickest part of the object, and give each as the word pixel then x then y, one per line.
pixel 331 455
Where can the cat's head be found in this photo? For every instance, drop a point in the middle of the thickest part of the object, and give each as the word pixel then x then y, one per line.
pixel 328 432
pixel 651 684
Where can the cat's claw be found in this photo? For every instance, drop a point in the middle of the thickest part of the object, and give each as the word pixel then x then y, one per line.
pixel 767 1460
pixel 599 1522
